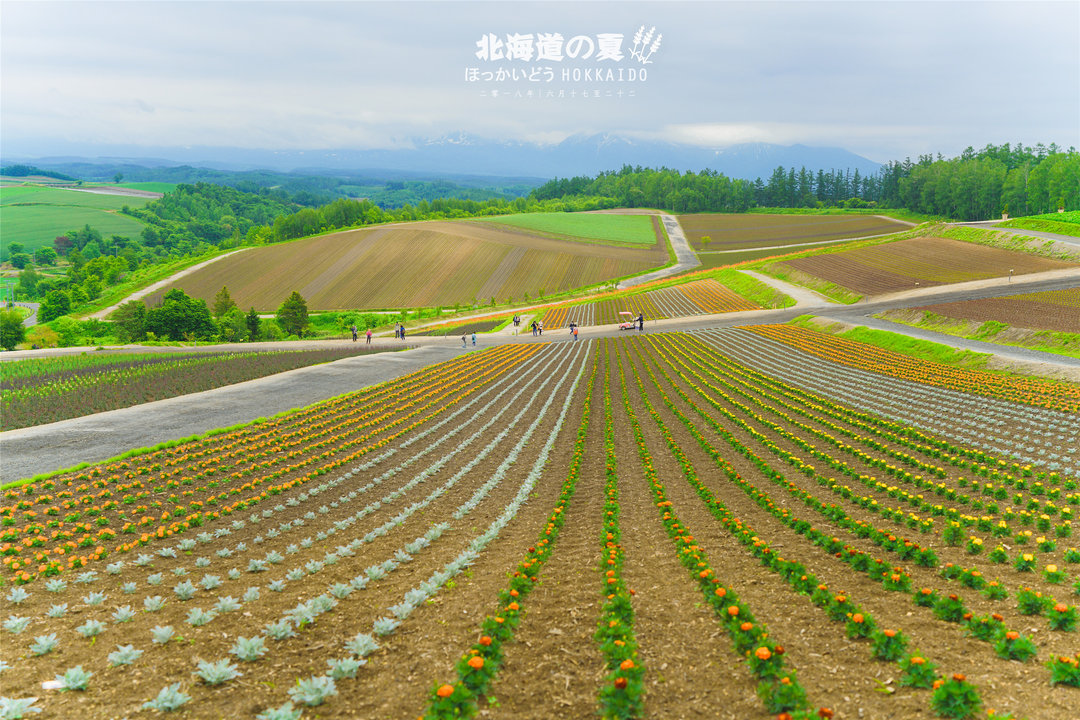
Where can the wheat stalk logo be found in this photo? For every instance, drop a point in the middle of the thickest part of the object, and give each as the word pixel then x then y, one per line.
pixel 642 48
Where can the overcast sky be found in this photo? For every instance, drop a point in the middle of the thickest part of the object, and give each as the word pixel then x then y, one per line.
pixel 883 79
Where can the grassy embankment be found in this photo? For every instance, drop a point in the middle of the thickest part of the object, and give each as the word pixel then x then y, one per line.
pixel 1060 223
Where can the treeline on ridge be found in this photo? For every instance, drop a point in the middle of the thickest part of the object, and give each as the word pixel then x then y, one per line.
pixel 977 185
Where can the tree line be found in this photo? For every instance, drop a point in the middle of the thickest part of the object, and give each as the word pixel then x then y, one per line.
pixel 976 185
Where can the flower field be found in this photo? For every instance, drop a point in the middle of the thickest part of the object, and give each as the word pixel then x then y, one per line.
pixel 701 297
pixel 668 525
pixel 36 392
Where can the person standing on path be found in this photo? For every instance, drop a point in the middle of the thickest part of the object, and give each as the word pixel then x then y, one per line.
pixel 575 333
pixel 462 340
pixel 540 327
pixel 353 328
pixel 369 336
pixel 474 339
pixel 641 322
pixel 402 332
pixel 534 328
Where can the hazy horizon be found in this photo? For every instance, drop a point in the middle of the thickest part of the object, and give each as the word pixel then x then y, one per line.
pixel 885 80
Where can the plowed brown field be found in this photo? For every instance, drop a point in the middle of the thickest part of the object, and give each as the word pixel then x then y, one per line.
pixel 1057 310
pixel 919 262
pixel 412 265
pixel 744 231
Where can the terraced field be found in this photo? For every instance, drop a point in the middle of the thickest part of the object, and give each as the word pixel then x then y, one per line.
pixel 413 265
pixel 918 262
pixel 721 524
pixel 743 231
pixel 1056 310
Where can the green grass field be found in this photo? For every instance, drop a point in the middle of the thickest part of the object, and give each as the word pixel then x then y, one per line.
pixel 590 227
pixel 34 215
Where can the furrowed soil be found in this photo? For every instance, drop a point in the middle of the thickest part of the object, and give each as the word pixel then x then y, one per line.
pixel 308 505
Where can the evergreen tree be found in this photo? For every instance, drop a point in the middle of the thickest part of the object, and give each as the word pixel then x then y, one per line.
pixel 292 315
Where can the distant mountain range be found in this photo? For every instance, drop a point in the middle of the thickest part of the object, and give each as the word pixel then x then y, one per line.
pixel 464 154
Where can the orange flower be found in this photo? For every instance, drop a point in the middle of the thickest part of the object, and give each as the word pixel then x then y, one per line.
pixel 720 592
pixel 959 677
pixel 733 610
pixel 627 664
pixel 476 662
pixel 889 633
pixel 916 660
pixel 1061 607
pixel 620 683
pixel 445 691
pixel 485 641
pixel 1012 635
pixel 763 653
pixel 857 618
pixel 746 626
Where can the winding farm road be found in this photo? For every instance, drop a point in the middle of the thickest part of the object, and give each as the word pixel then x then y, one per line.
pixel 685 259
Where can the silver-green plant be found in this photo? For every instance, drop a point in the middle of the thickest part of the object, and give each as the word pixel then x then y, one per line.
pixel 87 577
pixel 251 594
pixel 57 611
pixel 184 590
pixel 198 617
pixel 342 668
pixel 18 595
pixel 54 585
pixel 154 579
pixel 249 649
pixel 95 598
pixel 115 568
pixel 362 645
pixel 170 698
pixel 153 603
pixel 16 708
pixel 123 614
pixel 74 678
pixel 280 630
pixel 385 626
pixel 129 588
pixel 124 655
pixel 210 582
pixel 90 628
pixel 44 644
pixel 216 673
pixel 15 624
pixel 313 691
pixel 227 604
pixel 282 712
pixel 161 634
